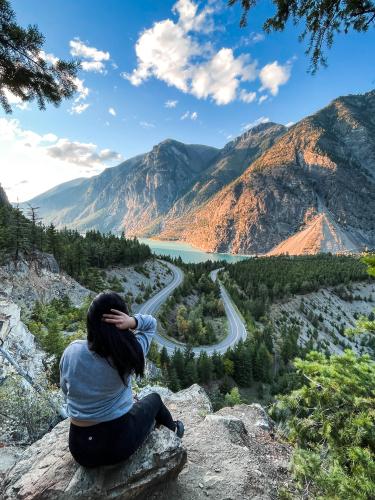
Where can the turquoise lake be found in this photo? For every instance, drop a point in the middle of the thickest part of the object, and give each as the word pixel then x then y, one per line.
pixel 187 252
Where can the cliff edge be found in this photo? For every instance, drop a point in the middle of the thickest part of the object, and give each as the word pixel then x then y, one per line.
pixel 229 454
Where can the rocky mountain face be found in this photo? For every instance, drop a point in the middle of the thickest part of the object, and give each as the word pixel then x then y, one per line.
pixel 146 193
pixel 315 181
pixel 227 166
pixel 230 454
pixel 323 165
pixel 132 196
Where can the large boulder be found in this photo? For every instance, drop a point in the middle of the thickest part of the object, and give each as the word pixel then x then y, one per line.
pixel 231 454
pixel 46 470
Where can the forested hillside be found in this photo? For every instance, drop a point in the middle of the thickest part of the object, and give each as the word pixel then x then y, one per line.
pixel 80 256
pixel 265 279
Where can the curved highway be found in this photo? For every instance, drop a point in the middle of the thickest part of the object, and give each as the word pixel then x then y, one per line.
pixel 237 328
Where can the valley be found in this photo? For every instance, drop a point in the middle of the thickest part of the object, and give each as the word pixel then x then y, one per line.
pixel 305 189
pixel 253 258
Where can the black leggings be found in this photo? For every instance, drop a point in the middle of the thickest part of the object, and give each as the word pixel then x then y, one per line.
pixel 108 443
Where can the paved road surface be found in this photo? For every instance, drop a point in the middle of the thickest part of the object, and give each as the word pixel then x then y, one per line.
pixel 237 329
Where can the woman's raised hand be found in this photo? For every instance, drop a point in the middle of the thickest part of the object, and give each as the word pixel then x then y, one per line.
pixel 120 319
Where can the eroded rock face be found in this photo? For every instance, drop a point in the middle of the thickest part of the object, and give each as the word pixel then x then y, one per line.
pixel 324 165
pixel 26 282
pixel 18 342
pixel 47 470
pixel 231 454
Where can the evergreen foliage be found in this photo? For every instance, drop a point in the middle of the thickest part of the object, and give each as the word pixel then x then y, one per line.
pixel 322 21
pixel 55 326
pixel 25 71
pixel 192 323
pixel 255 283
pixel 331 421
pixel 27 413
pixel 78 255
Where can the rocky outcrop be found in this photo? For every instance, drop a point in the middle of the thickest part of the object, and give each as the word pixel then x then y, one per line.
pixel 27 281
pixel 47 470
pixel 231 454
pixel 16 339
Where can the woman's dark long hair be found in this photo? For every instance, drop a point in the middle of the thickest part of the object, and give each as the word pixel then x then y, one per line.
pixel 120 347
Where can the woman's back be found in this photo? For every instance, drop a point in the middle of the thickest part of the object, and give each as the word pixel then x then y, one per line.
pixel 93 387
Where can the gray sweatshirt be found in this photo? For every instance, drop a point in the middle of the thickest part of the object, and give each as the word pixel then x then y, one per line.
pixel 93 388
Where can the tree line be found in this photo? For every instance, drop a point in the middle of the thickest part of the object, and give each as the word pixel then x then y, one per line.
pixel 255 283
pixel 78 255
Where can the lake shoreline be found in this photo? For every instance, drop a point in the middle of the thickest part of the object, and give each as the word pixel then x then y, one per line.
pixel 187 252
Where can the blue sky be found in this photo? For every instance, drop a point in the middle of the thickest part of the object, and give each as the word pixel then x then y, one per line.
pixel 137 56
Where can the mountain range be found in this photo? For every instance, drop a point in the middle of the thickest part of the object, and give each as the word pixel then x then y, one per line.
pixel 303 189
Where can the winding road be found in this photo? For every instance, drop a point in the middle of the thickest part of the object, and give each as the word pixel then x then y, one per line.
pixel 237 328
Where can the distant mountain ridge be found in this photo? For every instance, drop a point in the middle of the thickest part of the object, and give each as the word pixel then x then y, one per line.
pixel 325 164
pixel 144 192
pixel 262 189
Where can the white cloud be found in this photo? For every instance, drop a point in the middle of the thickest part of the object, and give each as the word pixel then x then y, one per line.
pixel 257 37
pixel 144 124
pixel 258 121
pixel 171 104
pixel 190 19
pixel 252 39
pixel 15 100
pixel 247 97
pixel 273 75
pixel 79 49
pixel 77 109
pixel 189 116
pixel 54 160
pixel 164 51
pixel 262 98
pixel 95 66
pixel 112 111
pixel 50 58
pixel 220 77
pixel 80 153
pixel 82 94
pixel 289 124
pixel 168 52
pixel 93 57
pixel 82 91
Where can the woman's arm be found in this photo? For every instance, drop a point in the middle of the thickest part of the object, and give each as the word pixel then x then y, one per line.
pixel 146 330
pixel 144 324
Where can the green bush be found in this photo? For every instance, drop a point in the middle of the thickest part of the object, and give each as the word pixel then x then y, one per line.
pixel 331 421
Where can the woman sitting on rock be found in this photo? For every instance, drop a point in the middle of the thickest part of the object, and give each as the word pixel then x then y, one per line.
pixel 95 375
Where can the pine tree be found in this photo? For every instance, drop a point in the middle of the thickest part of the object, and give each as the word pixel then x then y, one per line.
pixel 25 71
pixel 164 358
pixel 19 242
pixel 263 364
pixel 191 375
pixel 205 368
pixel 173 380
